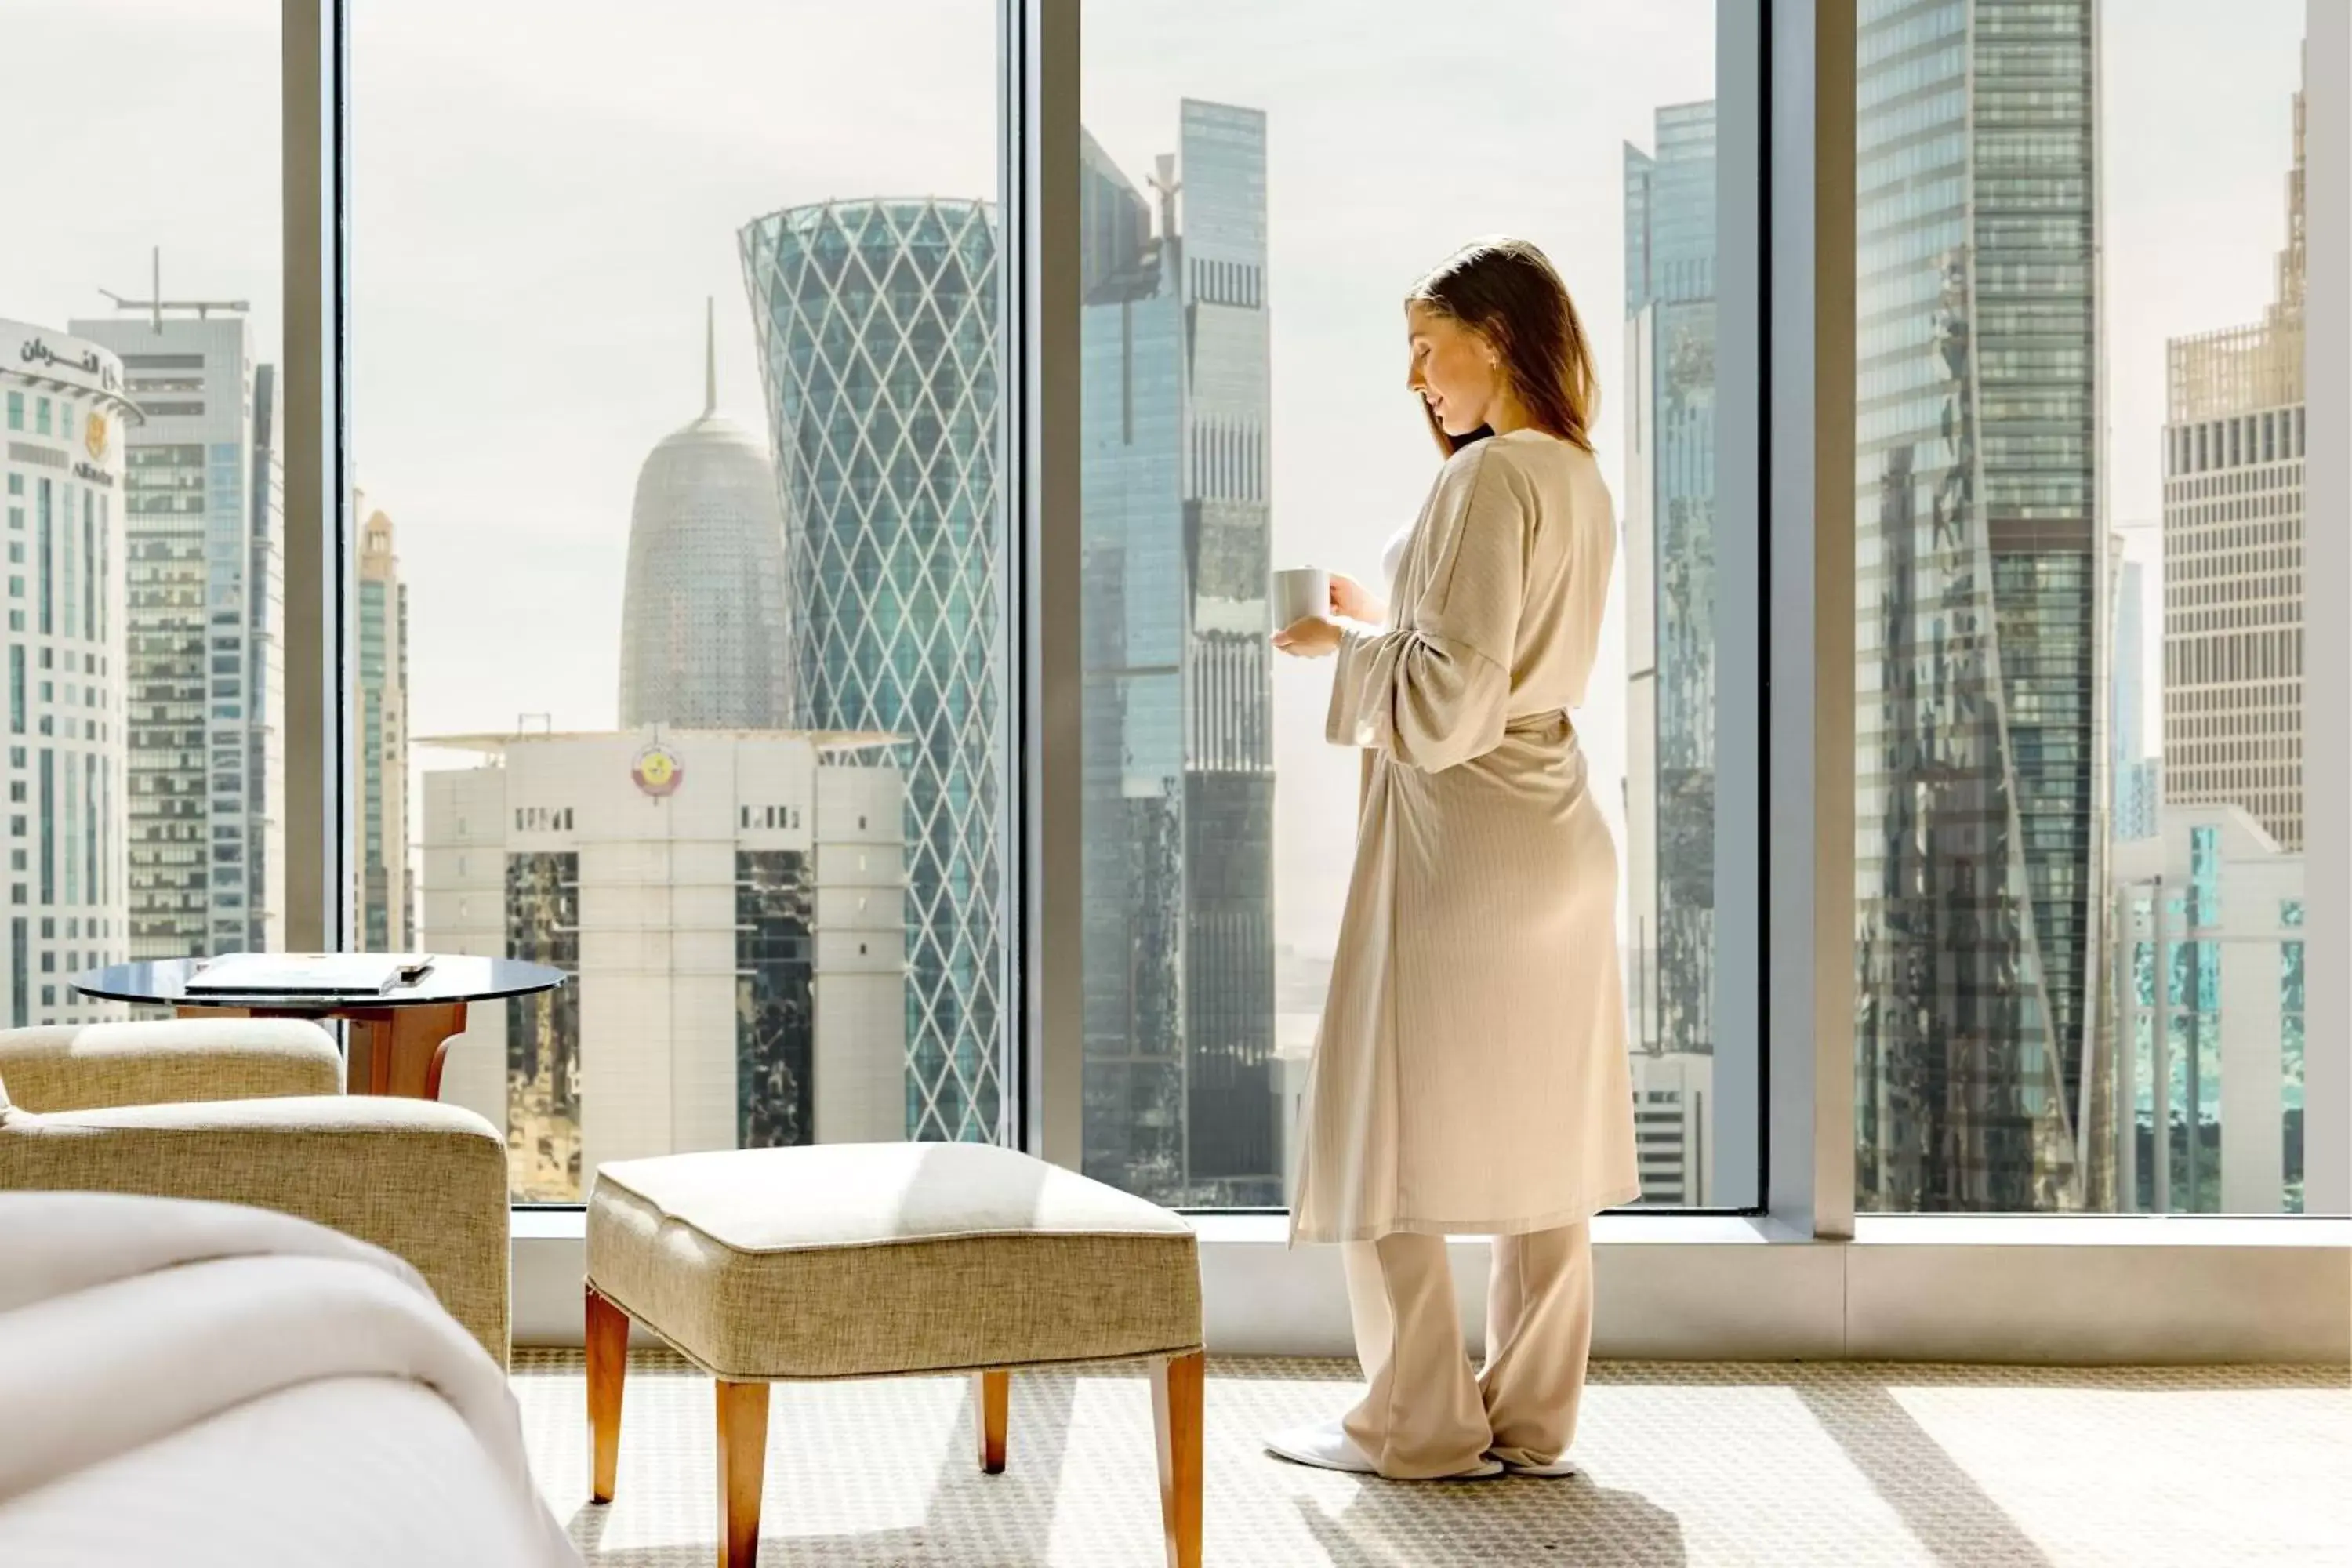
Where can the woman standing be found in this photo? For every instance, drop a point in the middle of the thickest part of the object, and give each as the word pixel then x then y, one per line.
pixel 1470 1077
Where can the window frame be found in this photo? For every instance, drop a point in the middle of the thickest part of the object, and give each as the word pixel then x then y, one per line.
pixel 1038 118
pixel 2326 560
pixel 321 576
pixel 1799 1274
pixel 1042 63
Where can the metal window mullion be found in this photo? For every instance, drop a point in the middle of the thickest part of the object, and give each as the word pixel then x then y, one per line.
pixel 2327 636
pixel 1038 427
pixel 1741 550
pixel 316 164
pixel 1810 363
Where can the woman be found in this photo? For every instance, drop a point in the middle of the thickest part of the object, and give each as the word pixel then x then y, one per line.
pixel 1470 1076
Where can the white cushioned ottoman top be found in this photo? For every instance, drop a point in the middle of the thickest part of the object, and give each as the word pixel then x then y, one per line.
pixel 866 1259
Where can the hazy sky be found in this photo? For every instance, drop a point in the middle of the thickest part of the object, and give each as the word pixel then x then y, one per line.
pixel 545 189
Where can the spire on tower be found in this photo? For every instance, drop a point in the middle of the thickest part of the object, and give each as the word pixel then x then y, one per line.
pixel 709 354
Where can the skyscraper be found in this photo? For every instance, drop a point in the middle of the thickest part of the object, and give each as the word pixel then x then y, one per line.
pixel 728 904
pixel 1180 1091
pixel 704 622
pixel 1670 207
pixel 2210 1047
pixel 2137 776
pixel 2233 556
pixel 1980 569
pixel 67 428
pixel 878 327
pixel 205 574
pixel 385 904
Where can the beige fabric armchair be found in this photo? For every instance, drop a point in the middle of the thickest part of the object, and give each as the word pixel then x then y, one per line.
pixel 248 1111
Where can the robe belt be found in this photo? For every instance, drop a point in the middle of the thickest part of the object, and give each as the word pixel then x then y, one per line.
pixel 1532 724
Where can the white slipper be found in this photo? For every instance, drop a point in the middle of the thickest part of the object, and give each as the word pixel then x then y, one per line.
pixel 1327 1446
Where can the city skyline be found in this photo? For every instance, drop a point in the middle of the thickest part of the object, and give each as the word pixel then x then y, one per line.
pixel 521 505
pixel 1325 281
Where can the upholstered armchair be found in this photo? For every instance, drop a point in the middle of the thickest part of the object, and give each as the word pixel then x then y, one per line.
pixel 249 1110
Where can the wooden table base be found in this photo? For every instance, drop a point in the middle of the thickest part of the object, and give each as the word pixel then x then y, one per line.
pixel 393 1050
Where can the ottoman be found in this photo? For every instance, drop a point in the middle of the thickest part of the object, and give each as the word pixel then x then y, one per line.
pixel 844 1260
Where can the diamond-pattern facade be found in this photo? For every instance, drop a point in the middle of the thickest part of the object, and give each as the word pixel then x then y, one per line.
pixel 879 321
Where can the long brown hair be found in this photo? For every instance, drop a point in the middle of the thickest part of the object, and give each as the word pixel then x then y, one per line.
pixel 1508 293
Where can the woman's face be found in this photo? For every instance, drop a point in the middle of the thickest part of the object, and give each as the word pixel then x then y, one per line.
pixel 1454 369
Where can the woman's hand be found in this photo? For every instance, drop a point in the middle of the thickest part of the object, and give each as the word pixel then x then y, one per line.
pixel 1351 601
pixel 1316 637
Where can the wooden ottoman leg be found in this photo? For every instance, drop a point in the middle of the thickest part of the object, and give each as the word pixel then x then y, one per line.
pixel 991 1396
pixel 743 1458
pixel 608 1366
pixel 1178 1386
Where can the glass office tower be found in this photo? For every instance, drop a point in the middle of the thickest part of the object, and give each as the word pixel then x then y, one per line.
pixel 878 353
pixel 1980 555
pixel 1670 313
pixel 1180 1093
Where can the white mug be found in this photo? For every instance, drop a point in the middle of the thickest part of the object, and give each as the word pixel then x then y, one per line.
pixel 1299 593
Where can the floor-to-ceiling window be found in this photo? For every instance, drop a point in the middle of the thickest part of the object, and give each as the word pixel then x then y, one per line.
pixel 1257 189
pixel 2079 519
pixel 675 420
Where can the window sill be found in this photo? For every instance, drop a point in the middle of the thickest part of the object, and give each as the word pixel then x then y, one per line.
pixel 1635 1227
pixel 2102 1230
pixel 2055 1289
pixel 1650 1228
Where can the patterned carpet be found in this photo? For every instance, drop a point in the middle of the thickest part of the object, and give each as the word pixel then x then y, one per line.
pixel 1854 1466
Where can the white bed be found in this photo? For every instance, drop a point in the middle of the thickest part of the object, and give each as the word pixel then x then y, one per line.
pixel 201 1385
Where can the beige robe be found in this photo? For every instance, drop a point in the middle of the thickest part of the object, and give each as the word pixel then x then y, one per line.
pixel 1470 1074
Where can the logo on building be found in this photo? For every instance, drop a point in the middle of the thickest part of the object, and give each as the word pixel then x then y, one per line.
pixel 656 772
pixel 93 437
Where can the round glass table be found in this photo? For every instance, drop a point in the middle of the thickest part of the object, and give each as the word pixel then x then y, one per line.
pixel 401 1036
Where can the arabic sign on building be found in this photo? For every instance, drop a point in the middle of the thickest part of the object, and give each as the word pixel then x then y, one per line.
pixel 27 350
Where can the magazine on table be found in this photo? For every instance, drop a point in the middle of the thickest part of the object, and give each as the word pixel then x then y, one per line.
pixel 307 974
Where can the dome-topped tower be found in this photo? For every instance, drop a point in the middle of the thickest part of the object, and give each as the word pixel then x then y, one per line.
pixel 705 635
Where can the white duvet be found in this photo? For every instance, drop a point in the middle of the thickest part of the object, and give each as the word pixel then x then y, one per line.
pixel 202 1383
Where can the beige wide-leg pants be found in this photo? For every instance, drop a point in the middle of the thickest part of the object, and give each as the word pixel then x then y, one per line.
pixel 1425 1414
